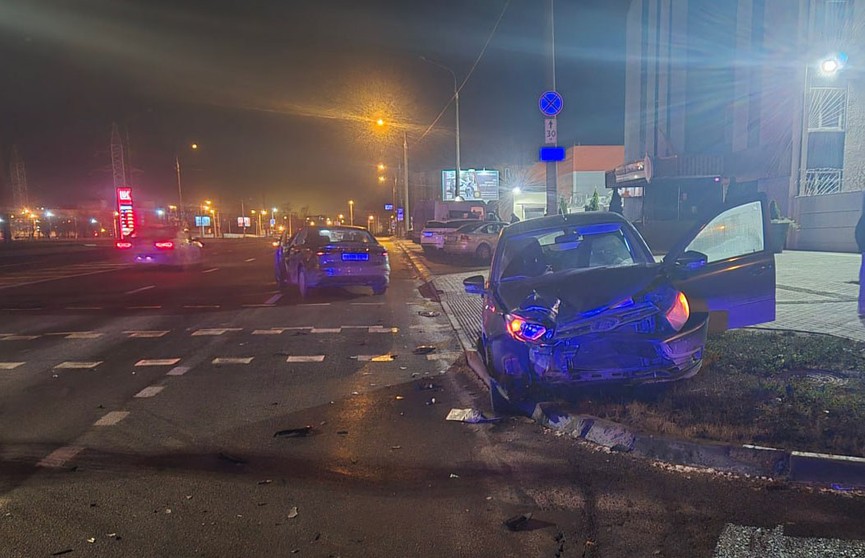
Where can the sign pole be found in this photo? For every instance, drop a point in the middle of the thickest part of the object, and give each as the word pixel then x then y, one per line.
pixel 551 104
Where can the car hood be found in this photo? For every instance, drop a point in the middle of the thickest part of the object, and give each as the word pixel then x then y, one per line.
pixel 581 290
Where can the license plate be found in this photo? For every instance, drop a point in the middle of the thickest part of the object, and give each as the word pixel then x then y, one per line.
pixel 355 257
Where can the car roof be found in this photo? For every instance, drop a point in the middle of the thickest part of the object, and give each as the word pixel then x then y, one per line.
pixel 338 227
pixel 575 219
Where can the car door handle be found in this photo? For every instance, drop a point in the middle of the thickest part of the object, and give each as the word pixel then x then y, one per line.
pixel 761 269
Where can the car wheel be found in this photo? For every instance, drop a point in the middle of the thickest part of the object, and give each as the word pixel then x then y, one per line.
pixel 507 401
pixel 302 287
pixel 484 253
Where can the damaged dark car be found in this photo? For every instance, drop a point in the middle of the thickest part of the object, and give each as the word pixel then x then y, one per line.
pixel 579 299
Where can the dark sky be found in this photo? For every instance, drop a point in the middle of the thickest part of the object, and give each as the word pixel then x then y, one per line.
pixel 280 94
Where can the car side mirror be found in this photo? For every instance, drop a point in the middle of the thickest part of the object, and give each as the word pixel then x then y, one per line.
pixel 691 260
pixel 475 284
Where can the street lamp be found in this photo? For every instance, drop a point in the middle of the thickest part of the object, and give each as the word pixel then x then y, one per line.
pixel 406 209
pixel 194 147
pixel 457 110
pixel 370 223
pixel 351 211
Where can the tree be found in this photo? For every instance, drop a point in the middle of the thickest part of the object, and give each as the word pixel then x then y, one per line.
pixel 594 203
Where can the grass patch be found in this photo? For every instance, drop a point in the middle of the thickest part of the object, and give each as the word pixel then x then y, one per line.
pixel 779 389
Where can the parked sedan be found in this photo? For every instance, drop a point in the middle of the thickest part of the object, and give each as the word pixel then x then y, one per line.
pixel 578 299
pixel 477 240
pixel 331 257
pixel 432 237
pixel 162 246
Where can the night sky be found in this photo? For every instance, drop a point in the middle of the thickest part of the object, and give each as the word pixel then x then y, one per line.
pixel 281 94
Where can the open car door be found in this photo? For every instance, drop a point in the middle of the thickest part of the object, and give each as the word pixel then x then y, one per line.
pixel 725 267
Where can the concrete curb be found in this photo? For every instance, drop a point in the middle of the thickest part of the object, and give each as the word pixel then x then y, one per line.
pixel 840 472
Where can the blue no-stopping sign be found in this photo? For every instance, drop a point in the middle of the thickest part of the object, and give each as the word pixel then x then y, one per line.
pixel 551 103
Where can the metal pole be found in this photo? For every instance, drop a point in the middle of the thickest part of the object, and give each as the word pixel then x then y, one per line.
pixel 179 190
pixel 351 213
pixel 802 178
pixel 406 211
pixel 457 106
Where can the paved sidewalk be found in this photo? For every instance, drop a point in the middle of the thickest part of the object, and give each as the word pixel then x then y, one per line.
pixel 816 292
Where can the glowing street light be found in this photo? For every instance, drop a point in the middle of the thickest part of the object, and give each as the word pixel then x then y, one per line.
pixel 351 211
pixel 517 191
pixel 381 167
pixel 379 122
pixel 193 146
pixel 381 179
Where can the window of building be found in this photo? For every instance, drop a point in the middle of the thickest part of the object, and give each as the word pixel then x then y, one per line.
pixel 827 109
pixel 831 19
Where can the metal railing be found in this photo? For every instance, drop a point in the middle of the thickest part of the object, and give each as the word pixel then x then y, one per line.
pixel 822 181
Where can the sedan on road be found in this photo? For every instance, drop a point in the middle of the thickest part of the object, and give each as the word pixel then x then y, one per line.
pixel 579 299
pixel 432 238
pixel 162 246
pixel 475 240
pixel 338 256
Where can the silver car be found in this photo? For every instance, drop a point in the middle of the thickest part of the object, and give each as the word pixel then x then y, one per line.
pixel 476 240
pixel 433 235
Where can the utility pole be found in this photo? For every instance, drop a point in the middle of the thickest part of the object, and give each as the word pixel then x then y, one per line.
pixel 552 166
pixel 406 211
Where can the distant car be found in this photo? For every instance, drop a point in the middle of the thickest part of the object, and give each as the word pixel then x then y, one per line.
pixel 413 235
pixel 476 240
pixel 432 237
pixel 579 299
pixel 162 246
pixel 337 256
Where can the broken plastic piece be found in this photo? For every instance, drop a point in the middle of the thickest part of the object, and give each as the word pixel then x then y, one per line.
pixel 517 522
pixel 294 432
pixel 292 513
pixel 429 314
pixel 453 476
pixel 471 416
pixel 424 349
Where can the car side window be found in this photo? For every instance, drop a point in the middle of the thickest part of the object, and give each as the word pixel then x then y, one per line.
pixel 299 239
pixel 737 231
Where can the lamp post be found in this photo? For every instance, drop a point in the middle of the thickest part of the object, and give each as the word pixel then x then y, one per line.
pixel 351 211
pixel 457 110
pixel 370 222
pixel 194 147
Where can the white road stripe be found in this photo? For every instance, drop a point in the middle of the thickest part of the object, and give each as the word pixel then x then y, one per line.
pixel 73 365
pixel 141 290
pixel 357 326
pixel 59 457
pixel 178 371
pixel 305 358
pixel 274 299
pixel 149 391
pixel 81 307
pixel 249 260
pixel 214 331
pixel 146 333
pixel 19 338
pixel 316 304
pixel 232 360
pixel 209 306
pixel 211 270
pixel 326 330
pixel 257 306
pixel 366 303
pixel 10 365
pixel 374 358
pixel 379 329
pixel 157 362
pixel 272 331
pixel 154 307
pixel 84 335
pixel 111 418
pixel 56 278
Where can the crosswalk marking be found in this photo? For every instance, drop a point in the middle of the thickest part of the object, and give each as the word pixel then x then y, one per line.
pixel 84 335
pixel 157 362
pixel 380 329
pixel 149 391
pixel 326 330
pixel 10 365
pixel 374 358
pixel 272 331
pixel 274 299
pixel 178 371
pixel 146 333
pixel 111 418
pixel 59 457
pixel 305 358
pixel 214 331
pixel 73 365
pixel 19 338
pixel 232 360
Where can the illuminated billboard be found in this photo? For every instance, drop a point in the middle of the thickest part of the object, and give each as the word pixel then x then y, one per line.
pixel 125 212
pixel 475 185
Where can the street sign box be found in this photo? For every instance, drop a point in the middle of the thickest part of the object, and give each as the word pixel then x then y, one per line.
pixel 551 131
pixel 400 214
pixel 551 103
pixel 551 154
pixel 388 207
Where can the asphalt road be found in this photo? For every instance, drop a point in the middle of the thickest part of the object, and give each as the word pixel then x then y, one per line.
pixel 138 409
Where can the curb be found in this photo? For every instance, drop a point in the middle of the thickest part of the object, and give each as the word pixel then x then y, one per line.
pixel 840 472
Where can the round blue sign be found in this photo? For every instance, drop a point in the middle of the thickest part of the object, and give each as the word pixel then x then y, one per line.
pixel 550 103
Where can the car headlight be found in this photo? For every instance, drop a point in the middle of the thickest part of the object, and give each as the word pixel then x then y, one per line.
pixel 679 312
pixel 523 329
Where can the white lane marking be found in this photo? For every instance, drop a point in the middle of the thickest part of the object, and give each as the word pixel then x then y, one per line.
pixel 178 371
pixel 157 362
pixel 153 307
pixel 274 299
pixel 10 365
pixel 208 306
pixel 141 290
pixel 374 358
pixel 214 331
pixel 357 326
pixel 57 278
pixel 366 303
pixel 305 358
pixel 19 338
pixel 271 331
pixel 146 333
pixel 111 418
pixel 315 304
pixel 257 306
pixel 232 360
pixel 59 457
pixel 380 329
pixel 84 335
pixel 249 260
pixel 73 365
pixel 81 307
pixel 326 330
pixel 211 270
pixel 149 391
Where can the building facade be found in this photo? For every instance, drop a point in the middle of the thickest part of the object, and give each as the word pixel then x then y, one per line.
pixel 741 96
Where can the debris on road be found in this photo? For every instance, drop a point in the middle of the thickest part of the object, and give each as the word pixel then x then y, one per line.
pixel 431 401
pixel 91 540
pixel 471 416
pixel 424 349
pixel 429 387
pixel 231 458
pixel 342 432
pixel 517 522
pixel 395 447
pixel 453 476
pixel 429 314
pixel 294 432
pixel 266 481
pixel 399 397
pixel 292 513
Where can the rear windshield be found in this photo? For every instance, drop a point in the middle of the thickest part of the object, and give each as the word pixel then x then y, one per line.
pixel 338 236
pixel 154 233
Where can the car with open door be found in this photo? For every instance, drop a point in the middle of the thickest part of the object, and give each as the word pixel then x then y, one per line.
pixel 579 299
pixel 338 256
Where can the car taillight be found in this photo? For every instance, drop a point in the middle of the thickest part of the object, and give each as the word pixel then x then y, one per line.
pixel 679 313
pixel 524 330
pixel 123 245
pixel 167 245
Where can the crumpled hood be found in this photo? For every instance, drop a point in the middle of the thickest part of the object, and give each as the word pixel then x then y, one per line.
pixel 579 290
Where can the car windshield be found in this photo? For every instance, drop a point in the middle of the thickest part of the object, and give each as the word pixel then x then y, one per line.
pixel 342 236
pixel 470 228
pixel 553 250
